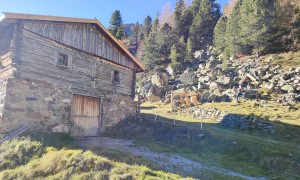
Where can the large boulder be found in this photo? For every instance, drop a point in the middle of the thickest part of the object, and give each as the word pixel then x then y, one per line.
pixel 204 79
pixel 204 97
pixel 199 55
pixel 170 70
pixel 212 64
pixel 143 90
pixel 224 80
pixel 156 93
pixel 211 97
pixel 287 88
pixel 202 85
pixel 230 93
pixel 267 76
pixel 62 128
pixel 188 77
pixel 160 79
pixel 215 85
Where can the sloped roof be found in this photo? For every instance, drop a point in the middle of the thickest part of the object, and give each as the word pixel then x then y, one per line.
pixel 8 15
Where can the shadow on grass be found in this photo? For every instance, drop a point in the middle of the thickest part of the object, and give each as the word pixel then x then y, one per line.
pixel 57 140
pixel 148 107
pixel 250 151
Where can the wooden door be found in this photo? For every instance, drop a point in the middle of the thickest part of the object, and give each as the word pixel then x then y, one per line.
pixel 85 116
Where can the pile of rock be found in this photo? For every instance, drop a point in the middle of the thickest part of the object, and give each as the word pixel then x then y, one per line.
pixel 228 120
pixel 203 113
pixel 246 122
pixel 214 83
pixel 216 80
pixel 207 113
pixel 290 98
pixel 277 79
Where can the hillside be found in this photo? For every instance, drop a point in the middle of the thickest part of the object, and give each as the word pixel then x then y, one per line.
pixel 266 154
pixel 24 158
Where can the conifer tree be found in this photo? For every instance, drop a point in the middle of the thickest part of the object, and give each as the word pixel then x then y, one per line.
pixel 287 25
pixel 188 51
pixel 206 14
pixel 147 26
pixel 120 33
pixel 135 38
pixel 232 35
pixel 177 55
pixel 178 17
pixel 165 38
pixel 256 25
pixel 219 35
pixel 116 25
pixel 151 53
pixel 174 58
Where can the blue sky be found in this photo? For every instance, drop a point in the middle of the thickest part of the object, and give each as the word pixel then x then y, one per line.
pixel 132 10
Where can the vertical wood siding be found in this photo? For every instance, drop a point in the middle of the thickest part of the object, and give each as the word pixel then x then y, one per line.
pixel 85 37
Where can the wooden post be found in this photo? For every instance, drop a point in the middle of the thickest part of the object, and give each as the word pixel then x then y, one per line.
pixel 174 123
pixel 201 123
pixel 155 118
pixel 138 108
pixel 256 94
pixel 172 107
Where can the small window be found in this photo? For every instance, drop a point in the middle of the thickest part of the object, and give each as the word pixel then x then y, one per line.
pixel 116 77
pixel 62 60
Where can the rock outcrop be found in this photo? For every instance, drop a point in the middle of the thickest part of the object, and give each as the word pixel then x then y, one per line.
pixel 218 80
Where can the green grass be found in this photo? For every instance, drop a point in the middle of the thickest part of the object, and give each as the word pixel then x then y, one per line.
pixel 206 174
pixel 252 152
pixel 127 158
pixel 286 60
pixel 25 158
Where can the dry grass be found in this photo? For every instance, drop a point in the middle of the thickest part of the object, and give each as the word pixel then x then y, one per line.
pixel 51 163
pixel 286 60
pixel 270 110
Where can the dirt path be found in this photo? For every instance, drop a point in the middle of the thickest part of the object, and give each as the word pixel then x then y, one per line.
pixel 171 162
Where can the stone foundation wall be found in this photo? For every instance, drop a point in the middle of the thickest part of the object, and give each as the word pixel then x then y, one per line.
pixel 3 83
pixel 47 107
pixel 117 107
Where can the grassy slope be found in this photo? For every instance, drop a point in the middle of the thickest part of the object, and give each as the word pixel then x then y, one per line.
pixel 251 152
pixel 25 158
pixel 286 60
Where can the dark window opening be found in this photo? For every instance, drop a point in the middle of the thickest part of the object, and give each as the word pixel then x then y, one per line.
pixel 62 59
pixel 116 77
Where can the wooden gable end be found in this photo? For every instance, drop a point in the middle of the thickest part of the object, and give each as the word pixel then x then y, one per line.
pixel 82 36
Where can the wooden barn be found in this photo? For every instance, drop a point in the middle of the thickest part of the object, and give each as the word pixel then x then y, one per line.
pixel 63 74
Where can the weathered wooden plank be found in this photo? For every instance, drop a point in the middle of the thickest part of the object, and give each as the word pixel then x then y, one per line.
pixel 81 36
pixel 38 63
pixel 85 113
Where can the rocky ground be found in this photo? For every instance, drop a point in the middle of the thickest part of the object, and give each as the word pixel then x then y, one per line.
pixel 170 162
pixel 217 80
